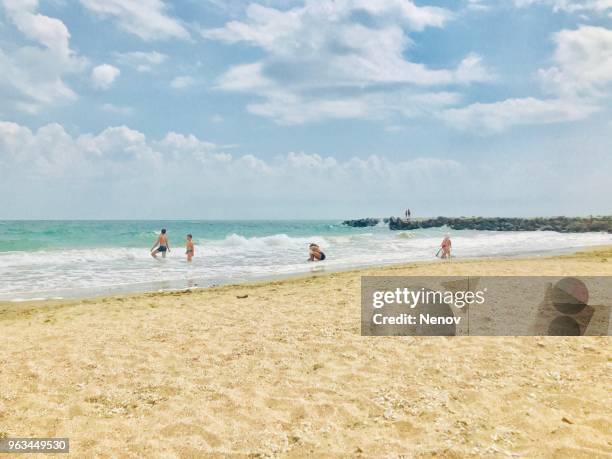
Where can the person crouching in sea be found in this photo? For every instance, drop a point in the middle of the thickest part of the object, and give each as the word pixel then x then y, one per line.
pixel 315 253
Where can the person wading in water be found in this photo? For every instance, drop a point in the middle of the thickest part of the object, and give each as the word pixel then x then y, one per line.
pixel 161 245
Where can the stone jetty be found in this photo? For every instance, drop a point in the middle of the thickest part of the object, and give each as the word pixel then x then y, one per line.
pixel 559 224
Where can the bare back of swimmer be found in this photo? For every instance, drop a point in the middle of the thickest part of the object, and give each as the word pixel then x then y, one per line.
pixel 161 245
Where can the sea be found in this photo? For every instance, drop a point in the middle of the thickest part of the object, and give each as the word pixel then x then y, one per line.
pixel 72 259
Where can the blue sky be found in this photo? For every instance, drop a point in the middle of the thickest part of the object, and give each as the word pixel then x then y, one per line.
pixel 287 109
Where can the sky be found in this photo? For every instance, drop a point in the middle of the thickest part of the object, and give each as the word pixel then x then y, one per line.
pixel 206 109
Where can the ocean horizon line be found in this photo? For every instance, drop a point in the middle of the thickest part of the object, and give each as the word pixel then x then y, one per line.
pixel 301 219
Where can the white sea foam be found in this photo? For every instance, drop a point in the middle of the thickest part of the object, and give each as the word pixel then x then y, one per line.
pixel 52 273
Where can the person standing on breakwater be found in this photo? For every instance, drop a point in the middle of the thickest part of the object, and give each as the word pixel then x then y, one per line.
pixel 162 245
pixel 445 247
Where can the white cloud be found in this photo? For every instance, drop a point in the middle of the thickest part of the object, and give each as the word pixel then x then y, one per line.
pixel 332 47
pixel 478 5
pixel 58 174
pixel 583 62
pixel 187 161
pixel 499 116
pixel 32 77
pixel 49 32
pixel 290 108
pixel 276 30
pixel 182 82
pixel 182 171
pixel 140 60
pixel 148 19
pixel 179 144
pixel 49 152
pixel 103 76
pixel 472 69
pixel 118 143
pixel 324 60
pixel 578 85
pixel 246 77
pixel 570 6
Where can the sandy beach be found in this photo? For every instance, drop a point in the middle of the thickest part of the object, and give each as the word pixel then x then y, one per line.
pixel 285 372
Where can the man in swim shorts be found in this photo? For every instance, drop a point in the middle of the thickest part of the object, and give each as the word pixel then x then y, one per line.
pixel 161 245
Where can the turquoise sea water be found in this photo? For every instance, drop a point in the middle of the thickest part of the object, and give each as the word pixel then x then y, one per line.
pixel 50 235
pixel 43 259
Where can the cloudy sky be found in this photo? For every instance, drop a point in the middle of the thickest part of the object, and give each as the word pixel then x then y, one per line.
pixel 315 109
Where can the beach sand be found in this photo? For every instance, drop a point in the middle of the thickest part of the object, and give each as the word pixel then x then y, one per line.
pixel 285 372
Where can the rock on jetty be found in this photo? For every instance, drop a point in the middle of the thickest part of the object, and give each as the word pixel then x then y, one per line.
pixel 362 222
pixel 559 224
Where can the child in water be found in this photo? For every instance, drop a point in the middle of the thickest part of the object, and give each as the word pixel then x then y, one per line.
pixel 189 248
